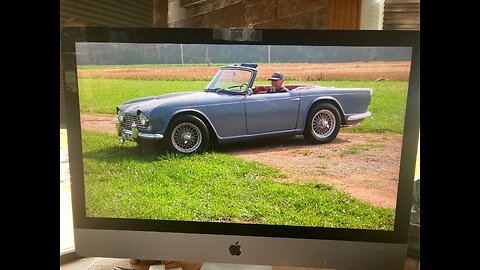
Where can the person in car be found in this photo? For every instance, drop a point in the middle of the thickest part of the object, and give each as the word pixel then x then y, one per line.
pixel 278 83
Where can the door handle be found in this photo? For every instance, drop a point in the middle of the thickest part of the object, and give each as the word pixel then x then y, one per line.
pixel 295 99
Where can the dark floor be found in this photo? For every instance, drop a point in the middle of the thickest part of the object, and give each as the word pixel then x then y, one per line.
pixel 109 263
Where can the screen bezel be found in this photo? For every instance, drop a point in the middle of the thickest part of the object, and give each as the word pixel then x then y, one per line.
pixel 255 37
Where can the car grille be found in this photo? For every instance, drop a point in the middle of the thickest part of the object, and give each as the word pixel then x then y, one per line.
pixel 129 119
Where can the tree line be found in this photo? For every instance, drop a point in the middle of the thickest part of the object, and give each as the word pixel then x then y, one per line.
pixel 136 54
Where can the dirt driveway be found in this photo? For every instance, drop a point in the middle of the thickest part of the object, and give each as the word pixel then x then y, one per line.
pixel 362 164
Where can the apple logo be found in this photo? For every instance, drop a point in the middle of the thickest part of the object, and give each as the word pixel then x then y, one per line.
pixel 235 249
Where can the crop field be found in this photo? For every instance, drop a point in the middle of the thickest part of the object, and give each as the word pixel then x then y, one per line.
pixel 393 71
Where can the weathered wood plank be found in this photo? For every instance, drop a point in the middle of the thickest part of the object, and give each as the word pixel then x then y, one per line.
pixel 257 12
pixel 289 8
pixel 354 15
pixel 402 27
pixel 401 9
pixel 401 15
pixel 402 21
pixel 401 1
pixel 402 6
pixel 219 4
pixel 199 10
pixel 406 15
pixel 175 12
pixel 317 19
pixel 339 15
pixel 189 3
pixel 344 14
pixel 193 22
pixel 230 16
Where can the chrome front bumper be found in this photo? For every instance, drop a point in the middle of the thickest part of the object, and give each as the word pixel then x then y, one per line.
pixel 132 135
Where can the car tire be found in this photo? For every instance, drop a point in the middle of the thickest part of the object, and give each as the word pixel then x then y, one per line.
pixel 186 134
pixel 323 123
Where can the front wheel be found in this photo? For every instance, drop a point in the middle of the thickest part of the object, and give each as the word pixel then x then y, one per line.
pixel 323 123
pixel 186 134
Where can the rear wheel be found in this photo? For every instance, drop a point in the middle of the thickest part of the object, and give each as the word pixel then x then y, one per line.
pixel 186 134
pixel 323 123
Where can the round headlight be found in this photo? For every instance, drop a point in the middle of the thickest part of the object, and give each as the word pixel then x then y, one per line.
pixel 143 119
pixel 121 116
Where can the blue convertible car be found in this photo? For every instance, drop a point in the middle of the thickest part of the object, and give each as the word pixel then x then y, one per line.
pixel 231 109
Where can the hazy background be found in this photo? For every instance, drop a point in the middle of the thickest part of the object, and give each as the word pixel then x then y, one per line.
pixel 130 54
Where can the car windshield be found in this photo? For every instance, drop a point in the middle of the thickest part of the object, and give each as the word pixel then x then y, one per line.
pixel 234 80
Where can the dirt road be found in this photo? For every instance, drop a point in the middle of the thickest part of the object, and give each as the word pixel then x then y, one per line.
pixel 362 164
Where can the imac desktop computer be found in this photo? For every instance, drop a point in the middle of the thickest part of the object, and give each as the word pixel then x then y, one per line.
pixel 182 147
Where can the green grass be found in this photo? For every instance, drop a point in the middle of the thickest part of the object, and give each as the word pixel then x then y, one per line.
pixel 95 67
pixel 389 100
pixel 387 106
pixel 123 182
pixel 103 95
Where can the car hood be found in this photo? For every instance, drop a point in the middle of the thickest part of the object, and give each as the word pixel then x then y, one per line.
pixel 182 99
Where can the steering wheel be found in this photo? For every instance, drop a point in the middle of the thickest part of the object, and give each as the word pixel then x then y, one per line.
pixel 238 85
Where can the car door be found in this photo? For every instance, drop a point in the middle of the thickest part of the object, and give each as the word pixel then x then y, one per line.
pixel 271 112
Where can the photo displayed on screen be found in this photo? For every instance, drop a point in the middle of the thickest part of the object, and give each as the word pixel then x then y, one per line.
pixel 248 134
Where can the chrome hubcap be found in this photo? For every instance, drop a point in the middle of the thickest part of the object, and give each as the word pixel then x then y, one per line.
pixel 186 138
pixel 323 124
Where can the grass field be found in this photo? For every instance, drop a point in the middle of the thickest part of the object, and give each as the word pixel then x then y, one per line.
pixel 103 67
pixel 124 183
pixel 103 95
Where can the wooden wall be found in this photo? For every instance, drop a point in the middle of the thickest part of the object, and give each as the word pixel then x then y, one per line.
pixel 274 14
pixel 344 14
pixel 401 15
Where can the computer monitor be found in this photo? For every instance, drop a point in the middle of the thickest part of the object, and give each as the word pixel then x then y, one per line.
pixel 178 150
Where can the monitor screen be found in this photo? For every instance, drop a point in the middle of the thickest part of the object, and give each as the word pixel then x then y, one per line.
pixel 278 147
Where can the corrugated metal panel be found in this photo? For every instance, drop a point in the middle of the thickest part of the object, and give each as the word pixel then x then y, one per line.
pixel 119 13
pixel 401 15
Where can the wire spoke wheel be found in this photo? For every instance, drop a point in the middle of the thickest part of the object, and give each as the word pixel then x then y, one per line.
pixel 186 138
pixel 323 124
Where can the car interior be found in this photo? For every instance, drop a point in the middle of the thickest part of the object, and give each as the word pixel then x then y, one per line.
pixel 263 89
